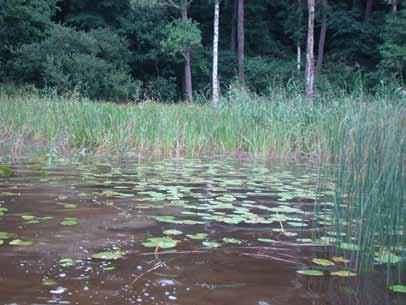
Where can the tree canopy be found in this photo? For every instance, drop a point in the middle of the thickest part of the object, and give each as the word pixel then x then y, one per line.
pixel 131 45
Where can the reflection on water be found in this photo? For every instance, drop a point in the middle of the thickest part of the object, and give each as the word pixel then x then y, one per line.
pixel 223 232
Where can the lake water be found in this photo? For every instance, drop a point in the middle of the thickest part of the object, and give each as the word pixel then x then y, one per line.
pixel 223 231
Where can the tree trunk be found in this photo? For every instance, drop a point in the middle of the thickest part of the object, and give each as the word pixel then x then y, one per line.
pixel 299 58
pixel 233 37
pixel 215 81
pixel 368 8
pixel 395 4
pixel 187 68
pixel 310 53
pixel 322 39
pixel 241 42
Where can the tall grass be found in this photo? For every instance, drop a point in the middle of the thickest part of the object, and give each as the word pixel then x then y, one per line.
pixel 370 206
pixel 276 126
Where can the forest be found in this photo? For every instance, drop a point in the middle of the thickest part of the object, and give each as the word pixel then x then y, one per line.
pixel 162 49
pixel 196 152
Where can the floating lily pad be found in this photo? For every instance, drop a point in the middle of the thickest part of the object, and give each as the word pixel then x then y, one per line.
pixel 211 244
pixel 173 232
pixel 398 288
pixel 109 268
pixel 69 221
pixel 340 259
pixel 160 242
pixel 343 273
pixel 266 240
pixel 197 236
pixel 70 206
pixel 1 242
pixel 232 241
pixel 310 272
pixel 28 217
pixel 5 171
pixel 388 258
pixel 49 282
pixel 6 235
pixel 19 242
pixel 348 246
pixel 108 255
pixel 323 262
pixel 66 262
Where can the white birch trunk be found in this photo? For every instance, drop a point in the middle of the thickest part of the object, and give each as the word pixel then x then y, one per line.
pixel 215 81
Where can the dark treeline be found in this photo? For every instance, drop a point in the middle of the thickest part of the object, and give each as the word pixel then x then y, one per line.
pixel 163 49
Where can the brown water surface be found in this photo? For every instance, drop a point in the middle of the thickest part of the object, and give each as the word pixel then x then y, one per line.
pixel 117 206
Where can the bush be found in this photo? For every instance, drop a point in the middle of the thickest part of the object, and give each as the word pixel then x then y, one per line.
pixel 95 63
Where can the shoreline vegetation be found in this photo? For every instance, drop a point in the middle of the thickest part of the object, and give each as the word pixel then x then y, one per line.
pixel 281 126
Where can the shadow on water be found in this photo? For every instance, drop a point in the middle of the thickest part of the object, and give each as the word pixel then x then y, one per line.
pixel 236 233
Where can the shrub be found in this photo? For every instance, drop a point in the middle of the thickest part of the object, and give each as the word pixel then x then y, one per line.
pixel 95 63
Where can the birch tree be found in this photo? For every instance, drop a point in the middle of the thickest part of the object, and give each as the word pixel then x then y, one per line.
pixel 310 52
pixel 215 79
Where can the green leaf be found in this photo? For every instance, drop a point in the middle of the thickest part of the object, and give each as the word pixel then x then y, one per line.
pixel 343 273
pixel 160 242
pixel 19 242
pixel 108 255
pixel 211 244
pixel 66 262
pixel 266 240
pixel 232 241
pixel 6 235
pixel 310 272
pixel 5 171
pixel 348 246
pixel 173 232
pixel 388 258
pixel 398 288
pixel 197 236
pixel 69 221
pixel 322 262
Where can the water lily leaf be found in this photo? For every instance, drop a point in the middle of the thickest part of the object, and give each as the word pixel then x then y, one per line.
pixel 348 246
pixel 19 242
pixel 232 241
pixel 70 206
pixel 5 171
pixel 398 288
pixel 69 221
pixel 8 194
pixel 343 273
pixel 211 244
pixel 340 259
pixel 266 240
pixel 388 258
pixel 1 242
pixel 6 235
pixel 197 236
pixel 28 217
pixel 49 282
pixel 108 255
pixel 323 262
pixel 160 242
pixel 310 272
pixel 109 268
pixel 67 262
pixel 305 240
pixel 173 232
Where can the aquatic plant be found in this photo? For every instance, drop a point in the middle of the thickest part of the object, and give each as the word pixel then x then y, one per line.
pixel 368 216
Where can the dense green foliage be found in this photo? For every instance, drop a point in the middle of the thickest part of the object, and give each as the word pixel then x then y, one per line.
pixel 360 47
